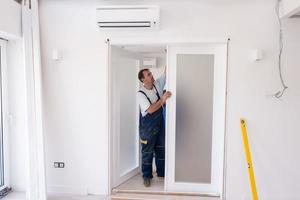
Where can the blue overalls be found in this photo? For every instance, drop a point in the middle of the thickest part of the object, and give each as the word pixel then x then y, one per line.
pixel 152 135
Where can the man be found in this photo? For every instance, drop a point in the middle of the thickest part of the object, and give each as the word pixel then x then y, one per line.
pixel 151 127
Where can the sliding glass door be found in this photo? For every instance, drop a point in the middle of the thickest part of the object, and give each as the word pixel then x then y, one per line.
pixel 195 118
pixel 2 136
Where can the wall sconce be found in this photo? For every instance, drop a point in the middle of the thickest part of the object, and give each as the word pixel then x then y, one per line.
pixel 56 55
pixel 258 54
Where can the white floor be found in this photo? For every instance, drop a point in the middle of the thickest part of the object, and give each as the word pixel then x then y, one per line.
pixel 76 197
pixel 22 196
pixel 127 189
pixel 119 196
pixel 136 183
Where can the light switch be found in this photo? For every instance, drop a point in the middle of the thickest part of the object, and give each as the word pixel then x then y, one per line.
pixel 56 164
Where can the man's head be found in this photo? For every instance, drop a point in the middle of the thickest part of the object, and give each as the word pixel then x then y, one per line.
pixel 146 77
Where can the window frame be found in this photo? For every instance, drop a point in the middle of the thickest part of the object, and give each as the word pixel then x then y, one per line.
pixel 3 111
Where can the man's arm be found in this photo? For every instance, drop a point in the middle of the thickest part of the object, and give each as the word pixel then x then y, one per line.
pixel 162 79
pixel 154 107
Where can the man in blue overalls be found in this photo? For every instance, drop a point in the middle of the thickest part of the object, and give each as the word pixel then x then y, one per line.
pixel 151 127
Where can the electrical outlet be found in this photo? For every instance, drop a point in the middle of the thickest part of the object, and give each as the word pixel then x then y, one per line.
pixel 59 165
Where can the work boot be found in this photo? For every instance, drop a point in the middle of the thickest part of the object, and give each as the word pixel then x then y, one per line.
pixel 147 182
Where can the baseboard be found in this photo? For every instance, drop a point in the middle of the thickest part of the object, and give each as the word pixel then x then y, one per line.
pixel 18 187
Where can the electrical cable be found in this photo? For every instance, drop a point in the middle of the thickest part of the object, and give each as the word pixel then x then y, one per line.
pixel 280 93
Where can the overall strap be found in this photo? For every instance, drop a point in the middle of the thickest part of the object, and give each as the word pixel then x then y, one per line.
pixel 140 118
pixel 145 96
pixel 157 94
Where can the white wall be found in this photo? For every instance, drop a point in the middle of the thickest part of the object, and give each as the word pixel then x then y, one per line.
pixel 10 19
pixel 75 91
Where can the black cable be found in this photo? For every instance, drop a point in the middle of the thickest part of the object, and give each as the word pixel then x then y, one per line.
pixel 280 93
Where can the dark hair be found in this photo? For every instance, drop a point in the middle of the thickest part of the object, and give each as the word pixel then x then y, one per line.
pixel 141 74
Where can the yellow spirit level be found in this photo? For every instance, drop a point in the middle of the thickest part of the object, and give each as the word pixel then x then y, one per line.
pixel 249 161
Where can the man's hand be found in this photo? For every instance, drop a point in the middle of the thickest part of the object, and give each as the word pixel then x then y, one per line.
pixel 167 95
pixel 160 103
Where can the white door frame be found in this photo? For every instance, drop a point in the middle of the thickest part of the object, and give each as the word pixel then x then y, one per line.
pixel 36 188
pixel 154 41
pixel 219 95
pixel 113 129
pixel 5 113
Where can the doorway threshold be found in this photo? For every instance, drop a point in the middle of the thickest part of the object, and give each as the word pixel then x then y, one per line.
pixel 135 187
pixel 152 196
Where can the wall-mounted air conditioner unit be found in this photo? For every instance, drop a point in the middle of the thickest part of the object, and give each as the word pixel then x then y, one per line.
pixel 289 9
pixel 128 16
pixel 296 15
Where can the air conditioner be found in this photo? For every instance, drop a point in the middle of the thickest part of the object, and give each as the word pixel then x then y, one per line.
pixel 128 16
pixel 296 15
pixel 289 9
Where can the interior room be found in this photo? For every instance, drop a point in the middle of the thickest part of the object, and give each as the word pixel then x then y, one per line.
pixel 68 123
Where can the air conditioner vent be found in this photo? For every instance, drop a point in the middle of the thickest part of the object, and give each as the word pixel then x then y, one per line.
pixel 297 15
pixel 124 24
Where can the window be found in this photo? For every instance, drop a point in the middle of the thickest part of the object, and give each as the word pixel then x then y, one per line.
pixel 3 142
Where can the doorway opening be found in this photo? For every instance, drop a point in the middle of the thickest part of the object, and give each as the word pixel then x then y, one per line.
pixel 126 62
pixel 195 116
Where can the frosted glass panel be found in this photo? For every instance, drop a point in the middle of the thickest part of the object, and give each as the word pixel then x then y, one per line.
pixel 194 115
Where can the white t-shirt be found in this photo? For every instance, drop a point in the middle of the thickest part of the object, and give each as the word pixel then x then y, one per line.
pixel 151 94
